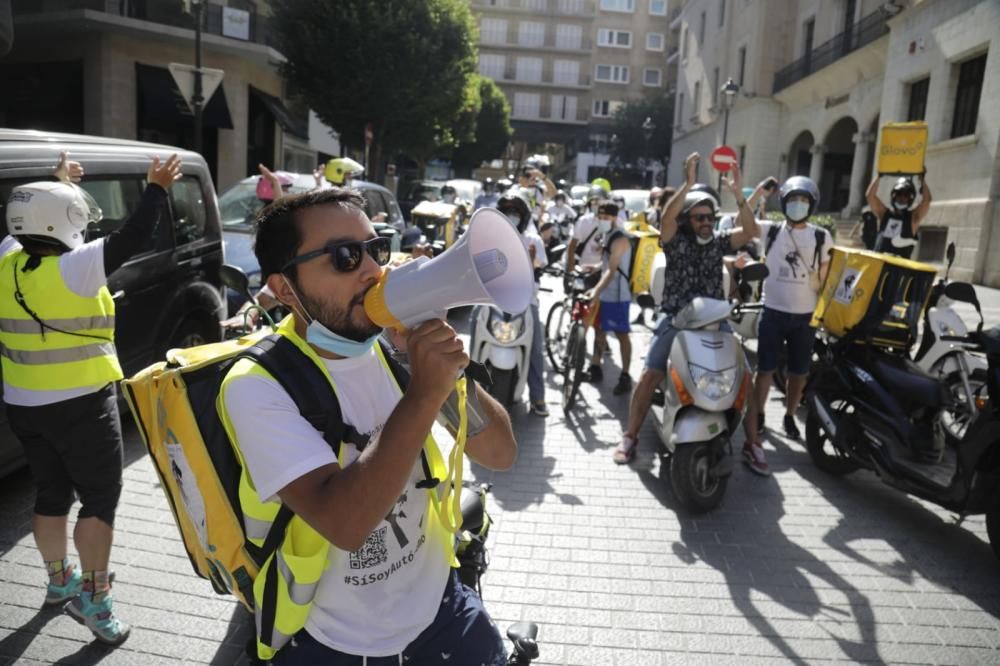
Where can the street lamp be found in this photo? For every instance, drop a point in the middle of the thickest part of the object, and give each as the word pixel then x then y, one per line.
pixel 647 131
pixel 728 90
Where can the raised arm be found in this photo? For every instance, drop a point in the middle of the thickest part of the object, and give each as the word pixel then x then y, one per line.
pixel 925 203
pixel 668 221
pixel 746 223
pixel 874 202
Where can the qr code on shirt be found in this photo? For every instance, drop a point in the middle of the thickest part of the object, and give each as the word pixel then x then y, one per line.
pixel 373 552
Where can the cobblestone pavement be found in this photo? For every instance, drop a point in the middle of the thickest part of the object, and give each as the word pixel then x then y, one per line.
pixel 800 567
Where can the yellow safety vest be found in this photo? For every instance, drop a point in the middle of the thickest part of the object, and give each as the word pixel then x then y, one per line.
pixel 80 354
pixel 304 554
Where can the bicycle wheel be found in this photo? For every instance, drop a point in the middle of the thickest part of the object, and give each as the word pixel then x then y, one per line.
pixel 557 326
pixel 576 356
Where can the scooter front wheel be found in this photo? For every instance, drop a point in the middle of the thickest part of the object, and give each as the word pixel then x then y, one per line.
pixel 696 488
pixel 821 449
pixel 502 388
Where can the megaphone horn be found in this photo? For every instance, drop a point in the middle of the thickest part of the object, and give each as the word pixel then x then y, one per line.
pixel 488 265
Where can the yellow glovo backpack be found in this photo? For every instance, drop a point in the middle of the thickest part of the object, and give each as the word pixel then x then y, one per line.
pixel 261 553
pixel 639 272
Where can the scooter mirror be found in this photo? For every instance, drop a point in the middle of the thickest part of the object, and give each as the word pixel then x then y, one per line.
pixel 963 292
pixel 950 253
pixel 234 278
pixel 754 272
pixel 556 253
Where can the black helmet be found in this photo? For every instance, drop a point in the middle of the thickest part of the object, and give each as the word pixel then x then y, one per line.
pixel 608 208
pixel 504 184
pixel 561 193
pixel 512 202
pixel 904 186
pixel 562 184
pixel 487 181
pixel 448 189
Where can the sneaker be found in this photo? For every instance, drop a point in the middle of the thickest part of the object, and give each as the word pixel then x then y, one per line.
pixel 594 374
pixel 70 589
pixel 760 423
pixel 538 408
pixel 624 384
pixel 99 618
pixel 753 456
pixel 625 450
pixel 792 428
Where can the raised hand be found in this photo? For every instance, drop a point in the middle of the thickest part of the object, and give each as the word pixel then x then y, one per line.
pixel 164 174
pixel 735 181
pixel 67 170
pixel 691 168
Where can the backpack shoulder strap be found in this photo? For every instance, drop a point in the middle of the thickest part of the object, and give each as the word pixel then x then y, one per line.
pixel 580 247
pixel 820 240
pixel 772 235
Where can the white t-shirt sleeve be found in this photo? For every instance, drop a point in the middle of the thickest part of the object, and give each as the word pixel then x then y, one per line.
pixel 763 227
pixel 278 445
pixel 582 228
pixel 83 268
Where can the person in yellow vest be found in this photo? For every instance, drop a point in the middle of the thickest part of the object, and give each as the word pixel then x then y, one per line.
pixel 57 324
pixel 364 572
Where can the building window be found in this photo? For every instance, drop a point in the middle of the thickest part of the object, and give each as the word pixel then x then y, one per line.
pixel 658 7
pixel 611 73
pixel 742 64
pixel 621 39
pixel 917 108
pixel 492 65
pixel 529 70
pixel 571 7
pixel 563 107
pixel 569 36
pixel 493 31
pixel 743 156
pixel 722 13
pixel 696 99
pixel 598 143
pixel 527 105
pixel 654 41
pixel 605 108
pixel 701 31
pixel 808 36
pixel 652 76
pixel 530 33
pixel 618 5
pixel 535 5
pixel 715 88
pixel 680 111
pixel 684 43
pixel 970 86
pixel 566 72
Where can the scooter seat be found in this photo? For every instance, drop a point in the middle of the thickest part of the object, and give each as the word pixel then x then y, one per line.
pixel 905 379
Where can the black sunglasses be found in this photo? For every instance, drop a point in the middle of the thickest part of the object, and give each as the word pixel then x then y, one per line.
pixel 703 217
pixel 348 255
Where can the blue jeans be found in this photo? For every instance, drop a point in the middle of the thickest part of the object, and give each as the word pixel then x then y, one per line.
pixel 462 630
pixel 776 329
pixel 663 340
pixel 536 367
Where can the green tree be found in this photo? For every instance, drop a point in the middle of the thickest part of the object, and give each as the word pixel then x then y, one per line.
pixel 636 139
pixel 490 128
pixel 402 65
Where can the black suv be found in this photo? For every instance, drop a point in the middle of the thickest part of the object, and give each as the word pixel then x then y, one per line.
pixel 169 294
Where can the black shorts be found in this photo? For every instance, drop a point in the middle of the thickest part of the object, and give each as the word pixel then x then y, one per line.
pixel 73 445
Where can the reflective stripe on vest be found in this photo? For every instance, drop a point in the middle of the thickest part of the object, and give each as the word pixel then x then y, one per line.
pixel 80 354
pixel 303 555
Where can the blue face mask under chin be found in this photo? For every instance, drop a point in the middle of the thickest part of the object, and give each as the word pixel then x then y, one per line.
pixel 320 336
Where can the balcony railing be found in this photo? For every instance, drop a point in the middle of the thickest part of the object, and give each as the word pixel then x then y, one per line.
pixel 863 33
pixel 154 11
pixel 583 9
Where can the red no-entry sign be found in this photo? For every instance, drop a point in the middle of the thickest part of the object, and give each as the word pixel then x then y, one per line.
pixel 723 159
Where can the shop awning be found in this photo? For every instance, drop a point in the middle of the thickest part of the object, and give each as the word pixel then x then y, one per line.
pixel 162 104
pixel 282 115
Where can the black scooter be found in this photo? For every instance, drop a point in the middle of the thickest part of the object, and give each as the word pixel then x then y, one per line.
pixel 876 410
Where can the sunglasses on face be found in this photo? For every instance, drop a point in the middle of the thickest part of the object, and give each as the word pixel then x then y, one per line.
pixel 347 256
pixel 703 217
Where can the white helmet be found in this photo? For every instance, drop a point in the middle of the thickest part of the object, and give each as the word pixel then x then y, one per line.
pixel 51 211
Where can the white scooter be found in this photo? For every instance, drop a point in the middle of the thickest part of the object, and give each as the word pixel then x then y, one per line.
pixel 963 372
pixel 705 392
pixel 502 342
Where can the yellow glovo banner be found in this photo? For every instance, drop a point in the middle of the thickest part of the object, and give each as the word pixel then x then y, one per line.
pixel 901 148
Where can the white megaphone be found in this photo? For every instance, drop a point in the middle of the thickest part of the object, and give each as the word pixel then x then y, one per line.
pixel 488 265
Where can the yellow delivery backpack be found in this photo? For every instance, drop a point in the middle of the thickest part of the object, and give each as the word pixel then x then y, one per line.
pixel 874 298
pixel 645 245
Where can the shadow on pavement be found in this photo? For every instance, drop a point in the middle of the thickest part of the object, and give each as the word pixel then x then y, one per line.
pixel 233 649
pixel 16 644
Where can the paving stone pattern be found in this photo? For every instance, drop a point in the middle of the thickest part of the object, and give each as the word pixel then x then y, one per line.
pixel 797 568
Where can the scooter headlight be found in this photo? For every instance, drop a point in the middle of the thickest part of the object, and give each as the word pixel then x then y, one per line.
pixel 506 331
pixel 713 384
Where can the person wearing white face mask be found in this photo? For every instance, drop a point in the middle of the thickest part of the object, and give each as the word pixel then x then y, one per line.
pixel 797 256
pixel 694 268
pixel 899 223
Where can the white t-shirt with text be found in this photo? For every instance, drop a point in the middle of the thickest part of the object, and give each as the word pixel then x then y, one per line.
pixel 586 227
pixel 377 600
pixel 787 286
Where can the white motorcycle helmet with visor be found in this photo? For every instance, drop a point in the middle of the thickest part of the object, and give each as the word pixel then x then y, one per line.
pixel 51 212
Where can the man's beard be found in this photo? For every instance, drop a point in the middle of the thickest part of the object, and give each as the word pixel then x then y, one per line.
pixel 336 319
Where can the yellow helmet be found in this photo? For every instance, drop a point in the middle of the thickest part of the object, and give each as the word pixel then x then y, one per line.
pixel 603 183
pixel 339 168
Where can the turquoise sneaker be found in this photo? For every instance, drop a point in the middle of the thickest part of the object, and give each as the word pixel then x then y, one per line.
pixel 70 589
pixel 99 618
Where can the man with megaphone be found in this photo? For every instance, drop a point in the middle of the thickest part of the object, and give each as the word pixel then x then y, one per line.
pixel 375 500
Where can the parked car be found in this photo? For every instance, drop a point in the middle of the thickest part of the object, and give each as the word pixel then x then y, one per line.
pixel 420 190
pixel 239 205
pixel 468 190
pixel 169 294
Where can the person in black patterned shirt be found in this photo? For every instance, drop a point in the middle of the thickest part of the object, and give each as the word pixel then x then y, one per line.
pixel 694 268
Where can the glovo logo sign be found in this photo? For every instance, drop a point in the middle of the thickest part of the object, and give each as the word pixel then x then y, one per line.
pixel 643 268
pixel 903 150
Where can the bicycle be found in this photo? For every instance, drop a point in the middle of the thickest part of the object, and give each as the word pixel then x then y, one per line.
pixel 559 319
